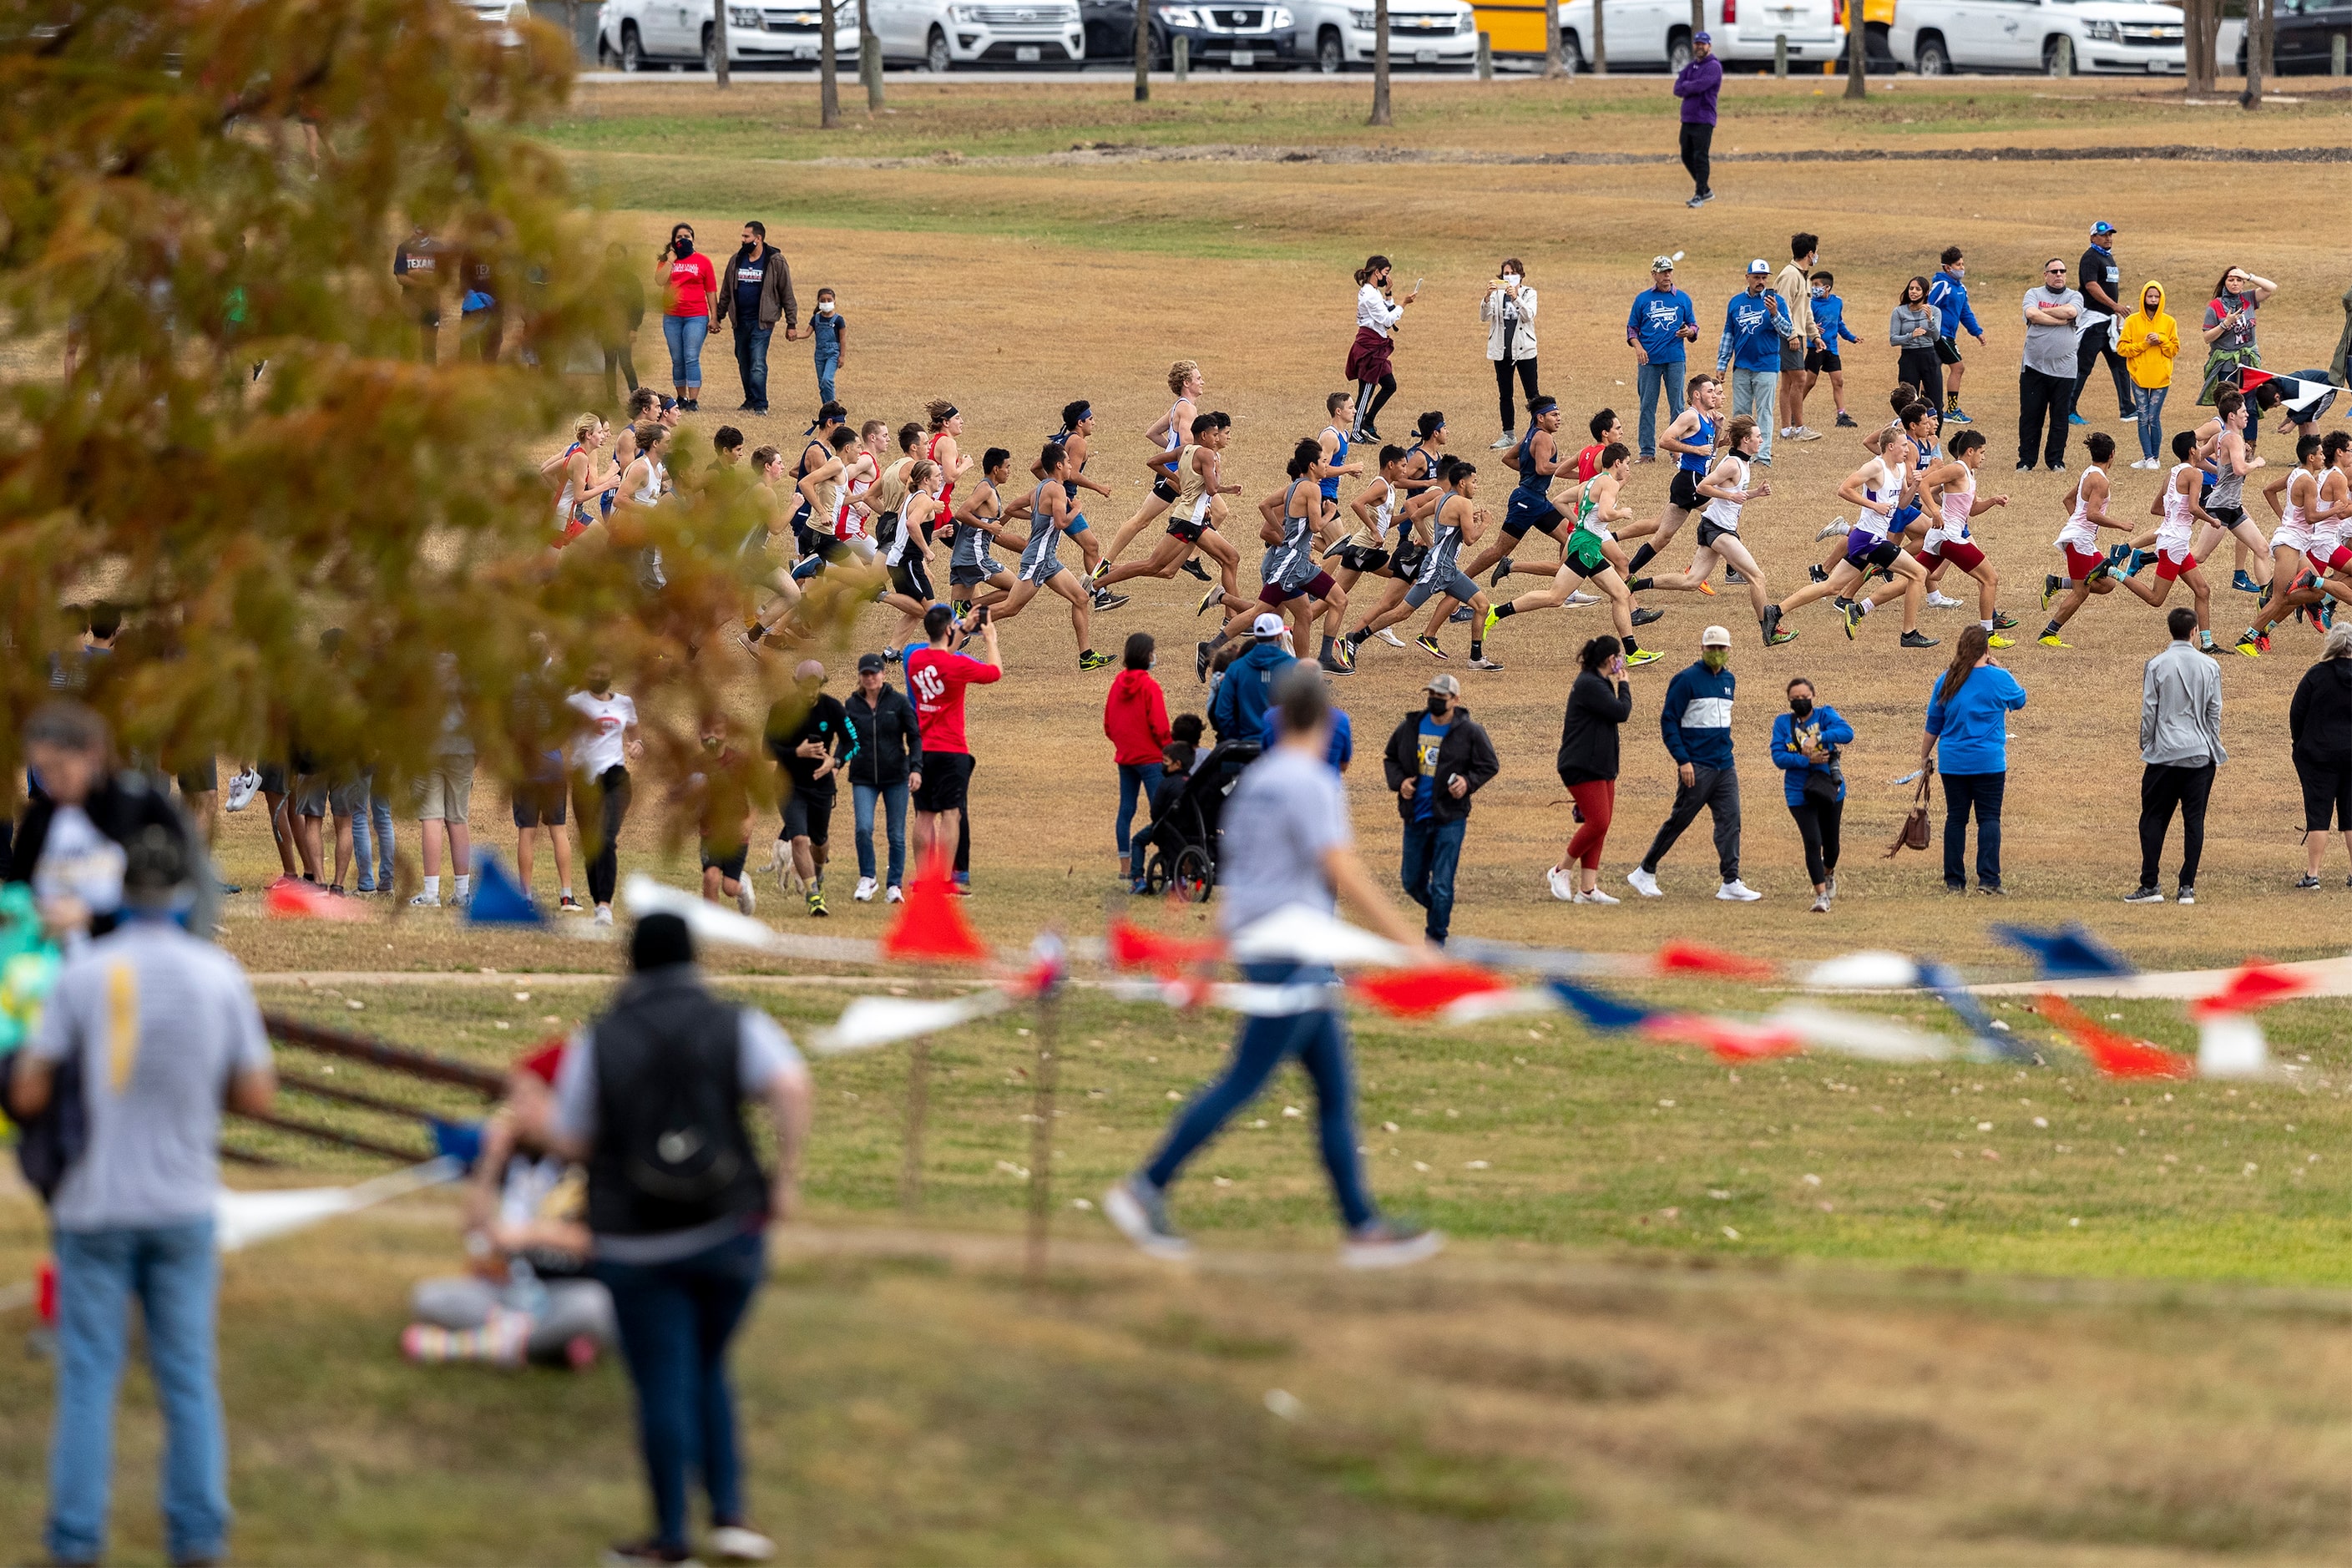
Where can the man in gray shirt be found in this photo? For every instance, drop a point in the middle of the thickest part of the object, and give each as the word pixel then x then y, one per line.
pixel 2180 741
pixel 2045 384
pixel 1286 842
pixel 158 1028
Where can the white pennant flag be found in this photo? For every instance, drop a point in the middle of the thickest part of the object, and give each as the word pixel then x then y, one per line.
pixel 1869 970
pixel 1299 933
pixel 871 1021
pixel 705 920
pixel 1851 1034
pixel 240 1219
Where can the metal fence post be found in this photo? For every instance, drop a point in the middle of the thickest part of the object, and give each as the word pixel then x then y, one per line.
pixel 1486 56
pixel 1780 55
pixel 1183 49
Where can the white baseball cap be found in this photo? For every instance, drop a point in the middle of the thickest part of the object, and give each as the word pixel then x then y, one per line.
pixel 1715 636
pixel 1268 625
pixel 1760 268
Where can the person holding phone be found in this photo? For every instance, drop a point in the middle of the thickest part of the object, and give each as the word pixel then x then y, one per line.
pixel 1378 312
pixel 1509 312
pixel 688 281
pixel 2229 346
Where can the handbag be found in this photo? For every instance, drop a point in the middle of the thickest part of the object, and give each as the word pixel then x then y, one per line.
pixel 1916 833
pixel 1821 787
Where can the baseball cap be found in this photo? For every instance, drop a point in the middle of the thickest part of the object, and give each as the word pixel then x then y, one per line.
pixel 1661 264
pixel 1715 636
pixel 1444 685
pixel 2103 226
pixel 1760 268
pixel 1266 626
pixel 1702 38
pixel 871 664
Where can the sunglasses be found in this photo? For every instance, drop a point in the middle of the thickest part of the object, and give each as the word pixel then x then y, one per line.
pixel 2053 271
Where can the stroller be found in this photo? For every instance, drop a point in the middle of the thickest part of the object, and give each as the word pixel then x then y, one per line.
pixel 1184 838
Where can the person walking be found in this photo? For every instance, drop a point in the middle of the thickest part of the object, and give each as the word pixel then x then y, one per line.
pixel 1662 320
pixel 621 311
pixel 2101 283
pixel 605 741
pixel 1599 704
pixel 1696 720
pixel 1968 718
pixel 2228 329
pixel 2149 343
pixel 886 746
pixel 651 1098
pixel 1795 286
pixel 2180 741
pixel 687 281
pixel 808 735
pixel 1135 717
pixel 758 293
pixel 1911 330
pixel 152 1030
pixel 1287 844
pixel 1369 366
pixel 2319 725
pixel 2045 380
pixel 1756 328
pixel 1697 85
pixel 1509 312
pixel 1805 741
pixel 1437 759
pixel 1948 292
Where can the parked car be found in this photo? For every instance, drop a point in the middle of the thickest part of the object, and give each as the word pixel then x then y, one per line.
pixel 1335 34
pixel 940 35
pixel 636 34
pixel 502 16
pixel 2133 37
pixel 1240 37
pixel 1658 32
pixel 2303 36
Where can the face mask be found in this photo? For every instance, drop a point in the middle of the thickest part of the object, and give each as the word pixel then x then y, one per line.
pixel 1715 659
pixel 682 246
pixel 1802 707
pixel 1510 278
pixel 825 308
pixel 1437 705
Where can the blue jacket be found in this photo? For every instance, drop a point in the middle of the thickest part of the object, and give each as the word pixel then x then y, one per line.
pixel 1342 750
pixel 1794 770
pixel 1697 718
pixel 1238 710
pixel 1754 326
pixel 1829 316
pixel 1656 322
pixel 1973 728
pixel 1950 298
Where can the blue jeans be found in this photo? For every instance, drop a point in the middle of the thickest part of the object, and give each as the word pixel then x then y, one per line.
pixel 2147 404
pixel 1319 1040
pixel 172 1269
pixel 675 1322
pixel 1650 378
pixel 1757 394
pixel 1432 849
pixel 375 873
pixel 894 807
pixel 751 359
pixel 1136 780
pixel 685 334
pixel 1982 791
pixel 828 361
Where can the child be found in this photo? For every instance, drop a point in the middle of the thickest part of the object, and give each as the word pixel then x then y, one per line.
pixel 832 335
pixel 1829 315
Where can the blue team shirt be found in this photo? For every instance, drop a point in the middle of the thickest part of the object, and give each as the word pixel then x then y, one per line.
pixel 1950 298
pixel 1656 322
pixel 1425 788
pixel 1753 327
pixel 1829 315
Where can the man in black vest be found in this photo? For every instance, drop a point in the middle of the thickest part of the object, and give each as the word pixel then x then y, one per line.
pixel 650 1098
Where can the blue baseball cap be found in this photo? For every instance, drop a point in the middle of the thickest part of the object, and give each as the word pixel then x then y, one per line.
pixel 1702 38
pixel 2102 228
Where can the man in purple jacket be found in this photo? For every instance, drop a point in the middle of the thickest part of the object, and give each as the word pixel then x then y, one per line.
pixel 1697 84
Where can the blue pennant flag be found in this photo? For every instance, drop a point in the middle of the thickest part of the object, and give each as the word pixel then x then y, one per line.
pixel 1946 982
pixel 2066 953
pixel 458 1141
pixel 497 901
pixel 1598 1011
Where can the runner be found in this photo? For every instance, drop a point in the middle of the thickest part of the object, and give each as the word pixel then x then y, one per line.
pixel 1378 312
pixel 1875 543
pixel 1536 459
pixel 645 405
pixel 1726 488
pixel 647 481
pixel 1076 438
pixel 1288 571
pixel 1331 464
pixel 2087 571
pixel 1421 459
pixel 766 552
pixel 1377 507
pixel 888 504
pixel 1201 492
pixel 575 505
pixel 1949 489
pixel 1405 511
pixel 2296 496
pixel 909 554
pixel 1587 559
pixel 1174 427
pixel 2222 452
pixel 2176 505
pixel 945 424
pixel 936 679
pixel 1691 439
pixel 816 451
pixel 1456 520
pixel 826 490
pixel 979 519
pixel 1048 509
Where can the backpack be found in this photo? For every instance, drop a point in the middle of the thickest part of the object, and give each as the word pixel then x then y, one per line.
pixel 48 1144
pixel 676 1153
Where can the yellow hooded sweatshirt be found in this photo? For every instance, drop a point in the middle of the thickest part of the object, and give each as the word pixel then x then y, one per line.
pixel 2148 342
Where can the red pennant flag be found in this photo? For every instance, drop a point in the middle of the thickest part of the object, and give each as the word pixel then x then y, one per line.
pixel 1689 958
pixel 1132 947
pixel 1732 1039
pixel 2254 985
pixel 2111 1053
pixel 300 900
pixel 1419 993
pixel 930 925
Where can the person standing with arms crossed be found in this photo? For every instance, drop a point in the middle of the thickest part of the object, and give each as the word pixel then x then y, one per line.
pixel 2045 382
pixel 1662 320
pixel 1968 718
pixel 1696 720
pixel 1697 85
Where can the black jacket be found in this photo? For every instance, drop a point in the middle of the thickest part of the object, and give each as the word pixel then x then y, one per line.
pixel 1588 732
pixel 2320 716
pixel 670 1152
pixel 1466 753
pixel 888 741
pixel 119 808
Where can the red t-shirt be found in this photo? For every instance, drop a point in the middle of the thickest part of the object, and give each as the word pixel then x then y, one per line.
pixel 1587 461
pixel 692 280
pixel 936 680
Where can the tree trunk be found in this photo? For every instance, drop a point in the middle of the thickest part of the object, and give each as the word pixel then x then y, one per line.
pixel 828 71
pixel 1600 42
pixel 1699 18
pixel 718 42
pixel 2198 20
pixel 869 56
pixel 2258 26
pixel 1555 58
pixel 1381 63
pixel 1143 51
pixel 1857 53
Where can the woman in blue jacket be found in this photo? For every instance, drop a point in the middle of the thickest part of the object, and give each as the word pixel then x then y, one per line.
pixel 1805 741
pixel 1968 711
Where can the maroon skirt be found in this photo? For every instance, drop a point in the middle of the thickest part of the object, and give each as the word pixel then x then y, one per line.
pixel 1368 356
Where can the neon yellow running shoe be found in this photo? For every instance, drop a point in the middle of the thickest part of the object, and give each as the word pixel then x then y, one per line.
pixel 2053 639
pixel 1643 656
pixel 1494 618
pixel 1997 640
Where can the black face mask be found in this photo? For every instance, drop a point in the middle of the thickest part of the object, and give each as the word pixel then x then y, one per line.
pixel 684 248
pixel 1802 707
pixel 1437 705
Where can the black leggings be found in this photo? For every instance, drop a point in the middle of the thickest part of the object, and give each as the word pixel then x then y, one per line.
pixel 599 805
pixel 1819 825
pixel 1526 368
pixel 1922 369
pixel 1371 396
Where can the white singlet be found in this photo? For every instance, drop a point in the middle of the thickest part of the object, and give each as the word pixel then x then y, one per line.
pixel 1959 501
pixel 1894 476
pixel 848 522
pixel 656 477
pixel 1724 514
pixel 2295 525
pixel 2172 535
pixel 1374 535
pixel 2080 530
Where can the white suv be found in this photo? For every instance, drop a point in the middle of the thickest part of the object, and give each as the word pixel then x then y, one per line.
pixel 942 36
pixel 636 34
pixel 2137 37
pixel 1336 34
pixel 1658 32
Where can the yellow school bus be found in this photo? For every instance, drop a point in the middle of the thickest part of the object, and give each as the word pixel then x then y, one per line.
pixel 1517 26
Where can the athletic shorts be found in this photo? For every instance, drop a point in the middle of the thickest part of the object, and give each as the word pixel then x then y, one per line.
pixel 1041 571
pixel 1318 586
pixel 1792 357
pixel 1584 555
pixel 1824 359
pixel 2326 792
pixel 1185 529
pixel 947 779
pixel 973 576
pixel 2171 563
pixel 2081 563
pixel 2228 517
pixel 443 789
pixel 808 814
pixel 1900 523
pixel 729 863
pixel 1406 563
pixel 273 778
pixel 1709 530
pixel 539 803
pixel 1530 510
pixel 572 529
pixel 912 578
pixel 1959 552
pixel 1075 526
pixel 1165 488
pixel 1683 491
pixel 1453 582
pixel 1364 560
pixel 1864 552
pixel 2336 558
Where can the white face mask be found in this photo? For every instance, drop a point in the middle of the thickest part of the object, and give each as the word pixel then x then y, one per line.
pixel 825 308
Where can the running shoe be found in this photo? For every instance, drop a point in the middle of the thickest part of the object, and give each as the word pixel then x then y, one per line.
pixel 604 915
pixel 1643 617
pixel 1201 662
pixel 1194 567
pixel 1829 530
pixel 816 905
pixel 894 894
pixel 2263 642
pixel 1390 637
pixel 2076 419
pixel 626 1553
pixel 1731 575
pixel 1562 885
pixel 1332 664
pixel 1635 659
pixel 1701 199
pixel 1935 601
pixel 1853 619
pixel 1641 584
pixel 1821 903
pixel 1804 433
pixel 2050 584
pixel 1482 662
pixel 2144 896
pixel 1735 891
pixel 1579 599
pixel 1215 595
pixel 2205 644
pixel 1102 570
pixel 1596 897
pixel 1429 645
pixel 1139 1211
pixel 1502 569
pixel 1840 602
pixel 1494 618
pixel 1846 422
pixel 2002 621
pixel 2247 646
pixel 1107 600
pixel 2117 555
pixel 747 897
pixel 1997 640
pixel 1920 639
pixel 1503 442
pixel 568 905
pixel 864 892
pixel 1778 638
pixel 2244 584
pixel 241 790
pixel 1957 416
pixel 893 656
pixel 1090 660
pixel 1459 617
pixel 1817 573
pixel 1644 883
pixel 2189 895
pixel 2305 883
pixel 740 1543
pixel 1389 1243
pixel 425 901
pixel 2051 639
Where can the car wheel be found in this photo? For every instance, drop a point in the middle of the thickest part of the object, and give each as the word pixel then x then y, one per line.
pixel 2058 57
pixel 1329 57
pixel 711 51
pixel 1678 50
pixel 936 57
pixel 633 48
pixel 1933 60
pixel 1572 52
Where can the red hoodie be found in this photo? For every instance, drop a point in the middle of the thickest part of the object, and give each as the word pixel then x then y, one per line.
pixel 1135 717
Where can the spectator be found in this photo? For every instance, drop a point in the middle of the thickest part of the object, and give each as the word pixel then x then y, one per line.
pixel 688 281
pixel 1598 706
pixel 2229 346
pixel 1794 285
pixel 1967 713
pixel 2180 741
pixel 157 1028
pixel 936 679
pixel 1697 85
pixel 1805 741
pixel 830 327
pixel 1755 329
pixel 1509 312
pixel 808 735
pixel 723 799
pixel 1948 292
pixel 444 792
pixel 373 844
pixel 2319 723
pixel 1911 331
pixel 1696 720
pixel 624 312
pixel 1237 709
pixel 885 749
pixel 605 744
pixel 328 784
pixel 1662 320
pixel 417 266
pixel 2101 283
pixel 1437 759
pixel 2150 339
pixel 1829 319
pixel 481 311
pixel 69 847
pixel 758 294
pixel 1135 717
pixel 650 1098
pixel 1338 756
pixel 2045 382
pixel 539 794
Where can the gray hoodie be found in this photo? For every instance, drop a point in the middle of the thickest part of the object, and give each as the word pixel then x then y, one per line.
pixel 2181 708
